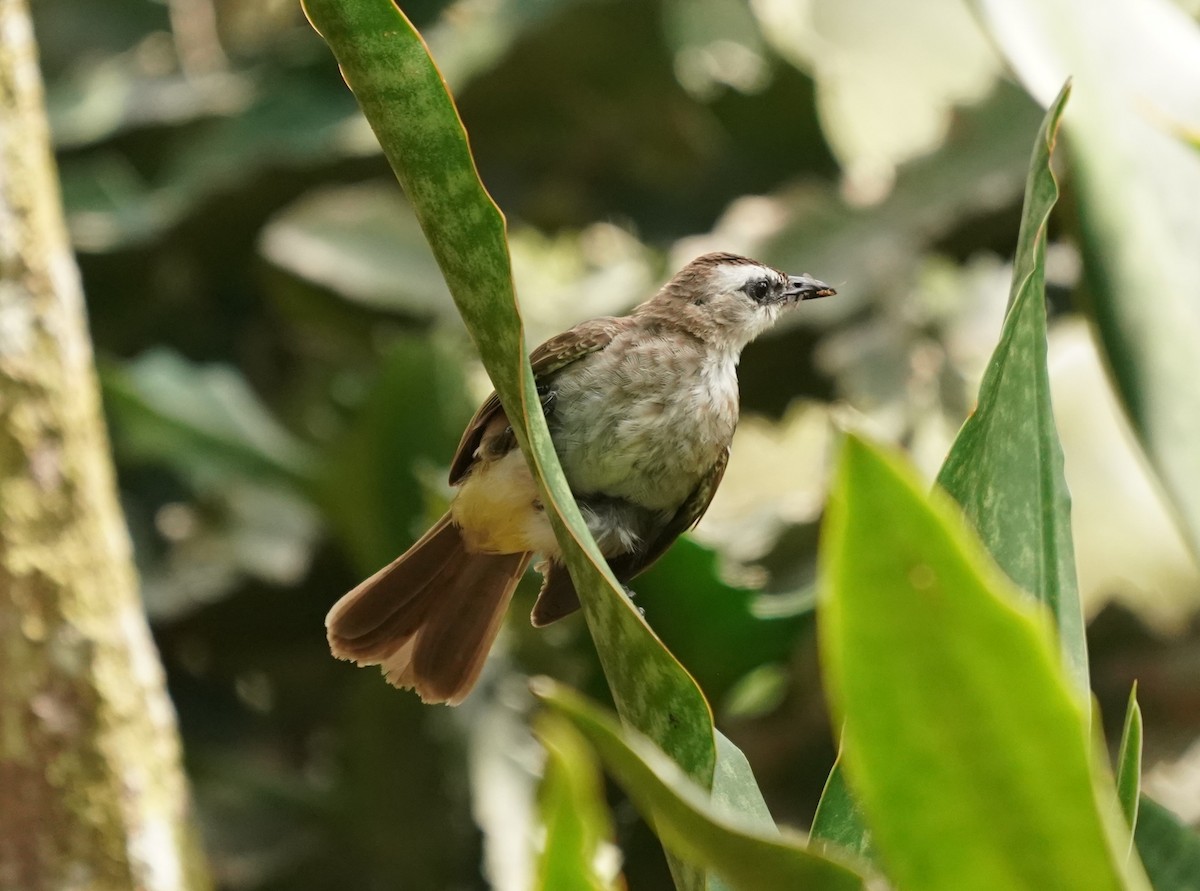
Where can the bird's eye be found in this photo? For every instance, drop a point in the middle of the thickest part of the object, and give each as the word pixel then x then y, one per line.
pixel 758 290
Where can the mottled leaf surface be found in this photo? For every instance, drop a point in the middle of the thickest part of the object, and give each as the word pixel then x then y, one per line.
pixel 1006 466
pixel 404 98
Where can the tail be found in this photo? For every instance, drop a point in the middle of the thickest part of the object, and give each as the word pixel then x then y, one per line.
pixel 430 616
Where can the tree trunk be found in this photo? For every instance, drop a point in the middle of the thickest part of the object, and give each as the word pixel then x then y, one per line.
pixel 92 794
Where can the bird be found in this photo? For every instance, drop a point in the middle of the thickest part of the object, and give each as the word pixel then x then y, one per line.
pixel 641 409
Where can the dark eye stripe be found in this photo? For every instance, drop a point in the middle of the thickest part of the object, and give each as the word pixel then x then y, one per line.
pixel 757 289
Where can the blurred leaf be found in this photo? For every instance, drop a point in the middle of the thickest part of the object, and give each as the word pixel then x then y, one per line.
pixel 839 820
pixel 200 420
pixel 1129 547
pixel 712 627
pixel 362 242
pixel 405 100
pixel 979 170
pixel 236 528
pixel 717 44
pixel 1006 466
pixel 573 812
pixel 114 95
pixel 703 831
pixel 411 418
pixel 296 119
pixel 962 736
pixel 759 692
pixel 1136 185
pixel 883 99
pixel 1170 850
pixel 1129 763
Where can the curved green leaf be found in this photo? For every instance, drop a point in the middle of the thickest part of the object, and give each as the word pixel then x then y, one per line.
pixel 1136 69
pixel 1129 762
pixel 573 813
pixel 387 65
pixel 839 819
pixel 967 746
pixel 698 828
pixel 1006 466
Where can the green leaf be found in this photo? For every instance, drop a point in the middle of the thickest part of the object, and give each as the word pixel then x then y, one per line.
pixel 702 830
pixel 369 486
pixel 573 812
pixel 386 64
pixel 839 819
pixel 200 420
pixel 363 243
pixel 966 744
pixel 1170 851
pixel 711 626
pixel 1006 466
pixel 1136 184
pixel 1129 763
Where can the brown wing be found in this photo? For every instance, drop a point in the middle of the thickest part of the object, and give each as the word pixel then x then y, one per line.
pixel 553 355
pixel 627 566
pixel 558 597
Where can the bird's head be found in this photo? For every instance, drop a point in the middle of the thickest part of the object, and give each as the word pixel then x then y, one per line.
pixel 728 300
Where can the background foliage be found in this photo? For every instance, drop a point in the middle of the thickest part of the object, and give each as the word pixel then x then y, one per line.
pixel 287 377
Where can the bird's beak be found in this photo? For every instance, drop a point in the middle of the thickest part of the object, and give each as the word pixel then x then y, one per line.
pixel 805 287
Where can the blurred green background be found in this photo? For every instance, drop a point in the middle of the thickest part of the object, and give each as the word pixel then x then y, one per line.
pixel 286 378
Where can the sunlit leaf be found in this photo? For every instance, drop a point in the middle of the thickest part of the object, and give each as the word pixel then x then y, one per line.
pixel 573 812
pixel 980 169
pixel 1006 468
pixel 745 855
pixel 363 243
pixel 962 736
pixel 1136 184
pixel 882 98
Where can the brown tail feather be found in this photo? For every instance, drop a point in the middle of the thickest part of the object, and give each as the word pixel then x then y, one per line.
pixel 557 598
pixel 429 617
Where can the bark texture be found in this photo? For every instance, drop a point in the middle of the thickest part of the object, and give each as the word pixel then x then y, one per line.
pixel 92 795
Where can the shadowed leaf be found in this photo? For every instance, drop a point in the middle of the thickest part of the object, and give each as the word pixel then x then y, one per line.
pixel 745 855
